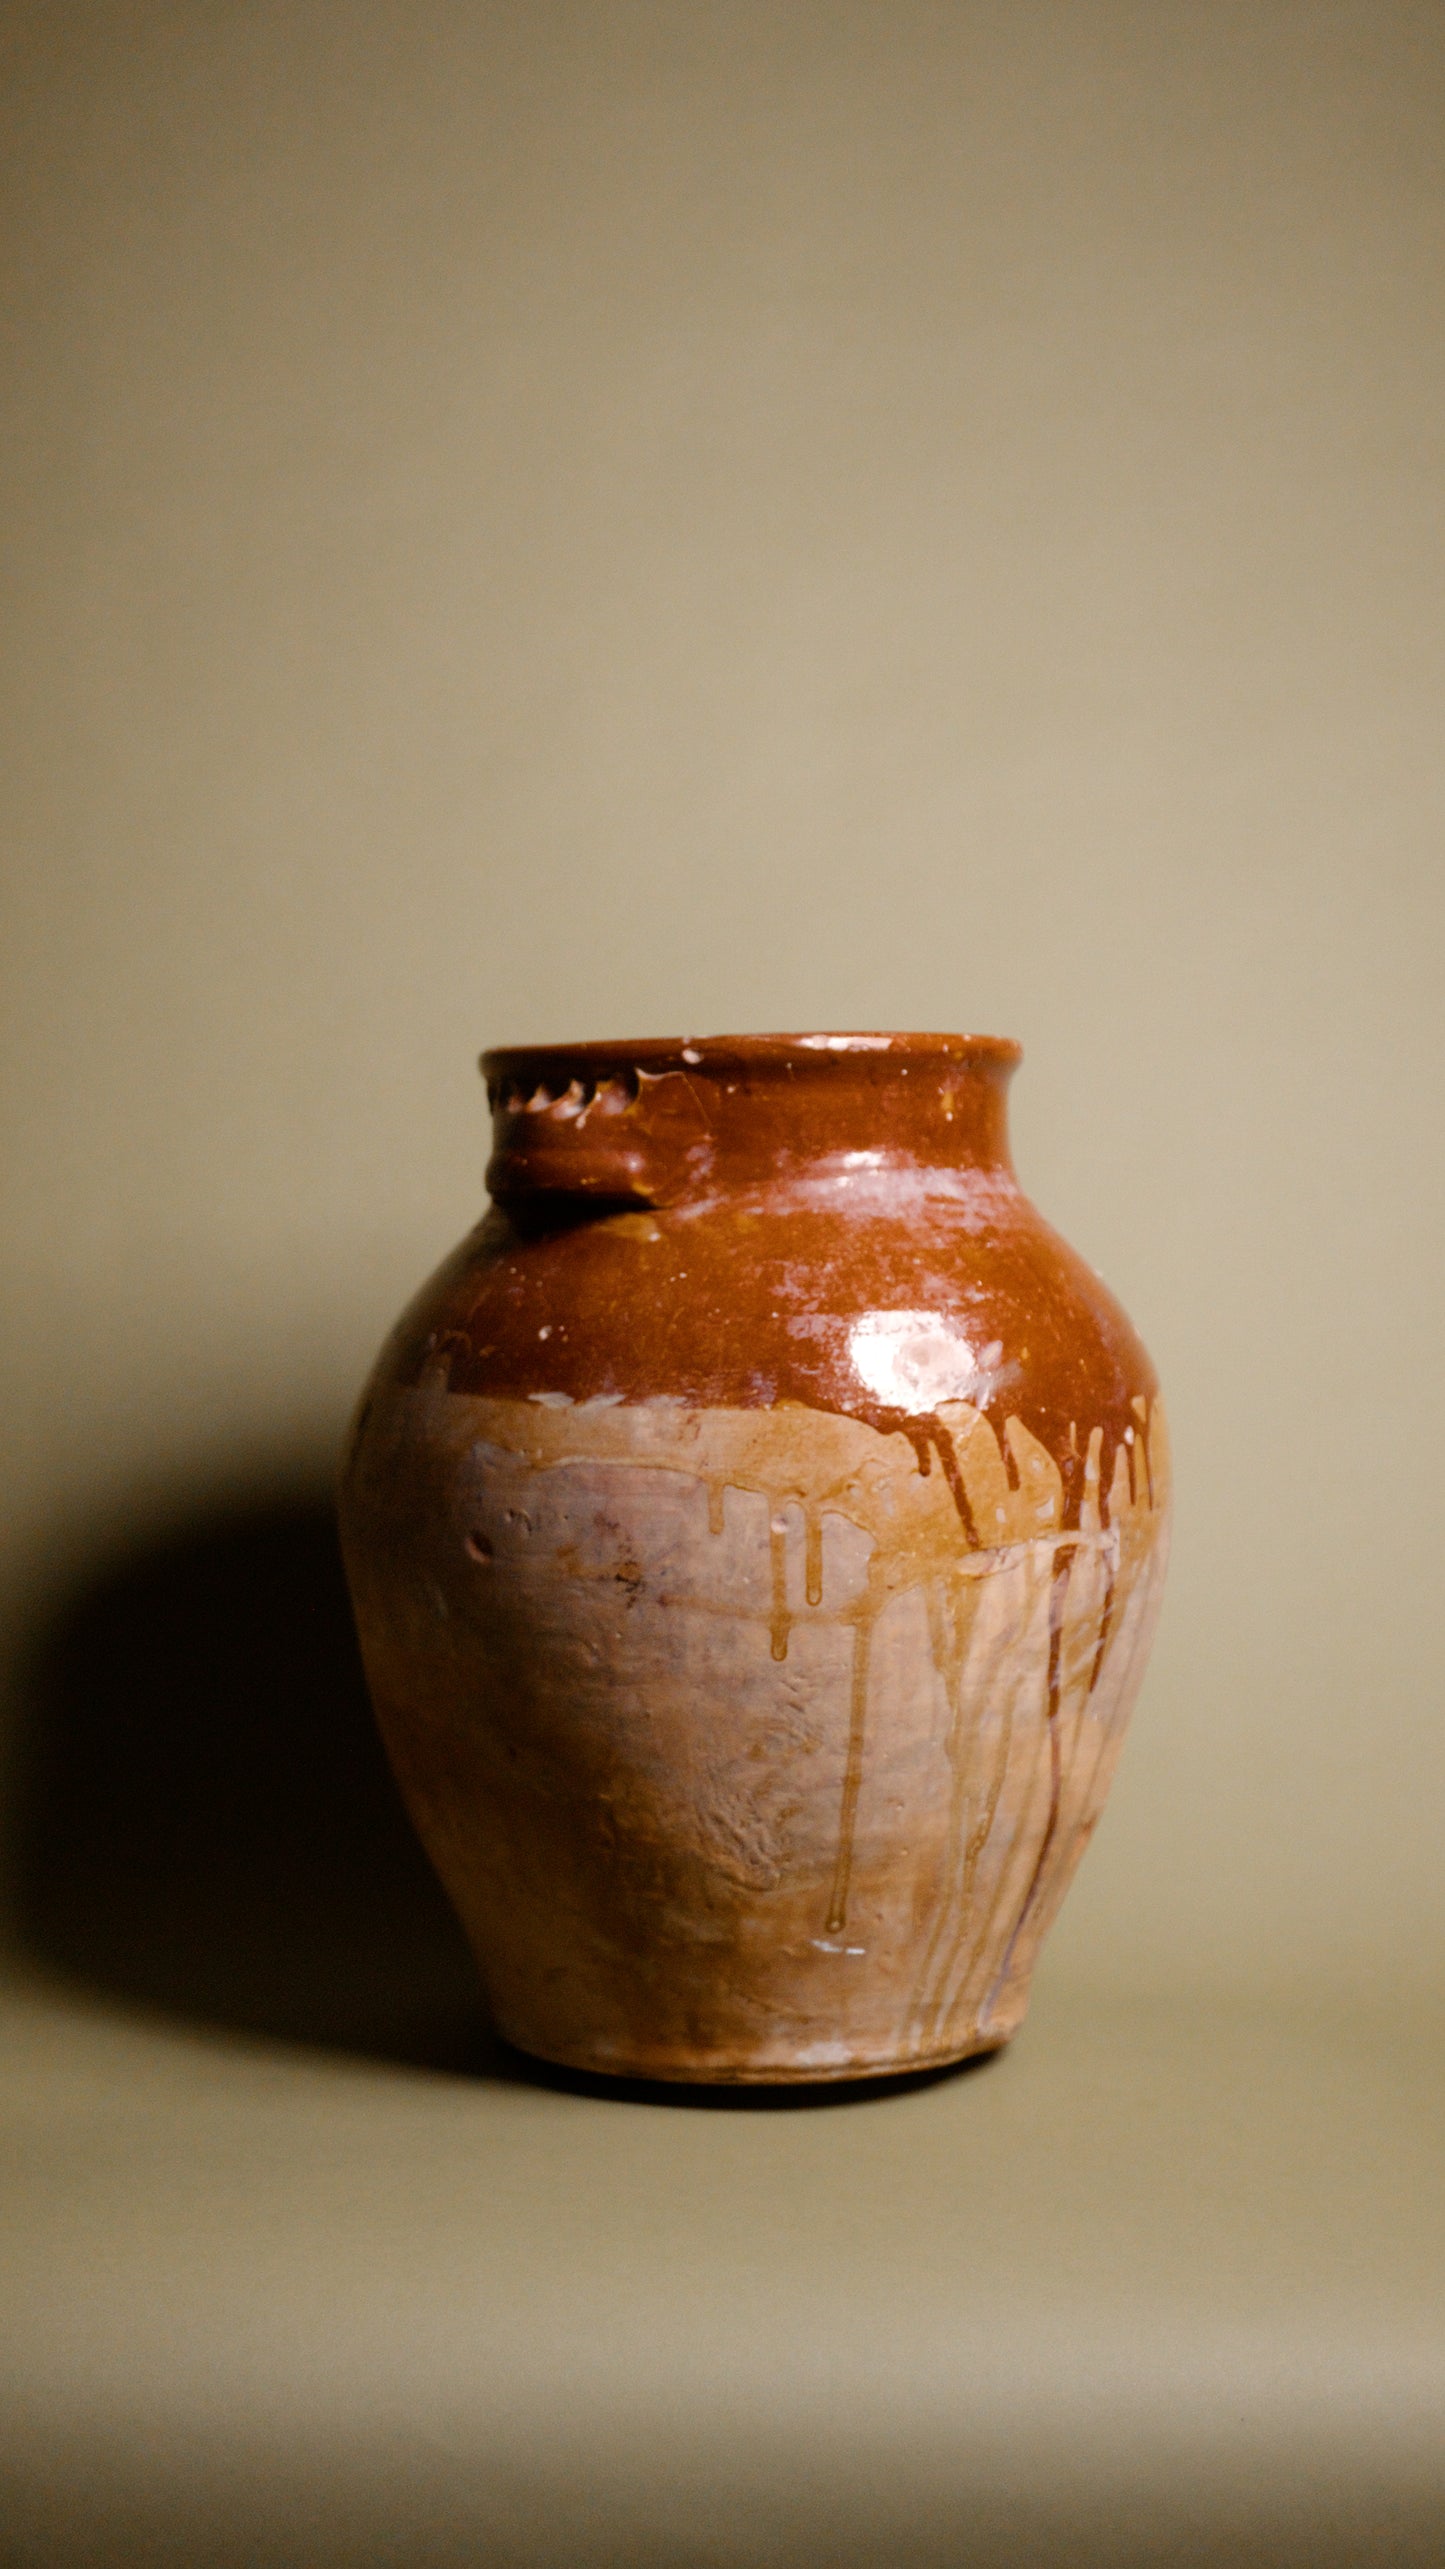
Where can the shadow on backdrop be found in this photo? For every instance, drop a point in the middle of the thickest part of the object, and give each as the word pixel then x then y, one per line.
pixel 204 1821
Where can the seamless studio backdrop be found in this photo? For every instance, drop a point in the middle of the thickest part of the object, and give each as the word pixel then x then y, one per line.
pixel 644 519
pixel 531 521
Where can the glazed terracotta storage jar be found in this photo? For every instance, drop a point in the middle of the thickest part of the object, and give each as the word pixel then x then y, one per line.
pixel 756 1531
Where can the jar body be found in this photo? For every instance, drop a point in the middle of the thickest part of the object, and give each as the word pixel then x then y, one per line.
pixel 756 1533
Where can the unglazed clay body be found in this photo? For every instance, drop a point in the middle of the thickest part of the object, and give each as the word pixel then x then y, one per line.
pixel 756 1532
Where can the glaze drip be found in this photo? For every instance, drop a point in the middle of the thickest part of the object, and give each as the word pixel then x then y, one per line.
pixel 1029 1629
pixel 852 1774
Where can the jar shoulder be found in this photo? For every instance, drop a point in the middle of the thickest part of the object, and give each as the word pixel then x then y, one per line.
pixel 885 1308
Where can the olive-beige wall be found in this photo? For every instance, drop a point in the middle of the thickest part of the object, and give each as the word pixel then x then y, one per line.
pixel 536 520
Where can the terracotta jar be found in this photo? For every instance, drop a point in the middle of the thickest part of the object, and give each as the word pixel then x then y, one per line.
pixel 756 1531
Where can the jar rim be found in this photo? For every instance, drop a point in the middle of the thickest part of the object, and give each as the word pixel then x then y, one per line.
pixel 759 1053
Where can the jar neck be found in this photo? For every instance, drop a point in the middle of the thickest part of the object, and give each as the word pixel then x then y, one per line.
pixel 659 1122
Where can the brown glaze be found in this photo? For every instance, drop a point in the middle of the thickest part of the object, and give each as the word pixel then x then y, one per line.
pixel 755 1530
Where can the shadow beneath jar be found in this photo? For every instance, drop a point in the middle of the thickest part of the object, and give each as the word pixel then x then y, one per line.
pixel 203 1824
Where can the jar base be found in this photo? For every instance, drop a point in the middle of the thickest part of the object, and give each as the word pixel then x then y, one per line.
pixel 708 2071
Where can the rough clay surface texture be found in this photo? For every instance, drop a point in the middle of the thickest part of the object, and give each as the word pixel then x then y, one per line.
pixel 759 1737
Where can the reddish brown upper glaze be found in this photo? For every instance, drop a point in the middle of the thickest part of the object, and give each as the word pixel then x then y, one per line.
pixel 710 1220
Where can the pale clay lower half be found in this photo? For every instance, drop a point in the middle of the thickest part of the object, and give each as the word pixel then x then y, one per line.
pixel 821 1732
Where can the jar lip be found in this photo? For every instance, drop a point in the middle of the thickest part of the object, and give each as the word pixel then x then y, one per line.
pixel 790 1053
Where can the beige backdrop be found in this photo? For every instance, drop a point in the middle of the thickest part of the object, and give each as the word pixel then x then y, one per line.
pixel 607 519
